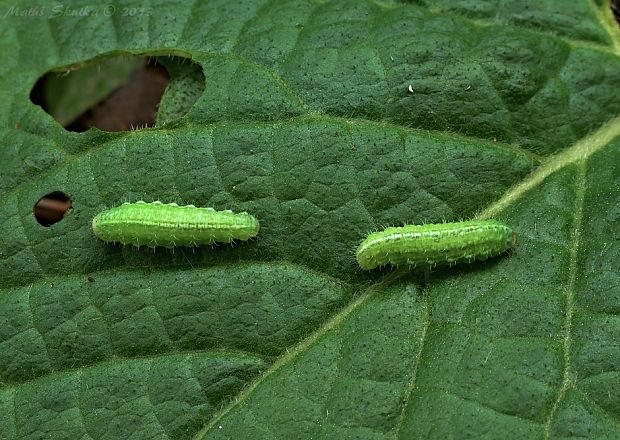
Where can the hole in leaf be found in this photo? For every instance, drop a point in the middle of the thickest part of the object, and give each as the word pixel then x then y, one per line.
pixel 120 93
pixel 615 8
pixel 51 208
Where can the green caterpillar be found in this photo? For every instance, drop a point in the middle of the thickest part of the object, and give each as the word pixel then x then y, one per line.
pixel 169 225
pixel 435 244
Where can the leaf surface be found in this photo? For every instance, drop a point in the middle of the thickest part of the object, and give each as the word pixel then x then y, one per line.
pixel 325 120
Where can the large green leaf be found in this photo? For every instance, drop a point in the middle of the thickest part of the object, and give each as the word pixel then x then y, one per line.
pixel 306 121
